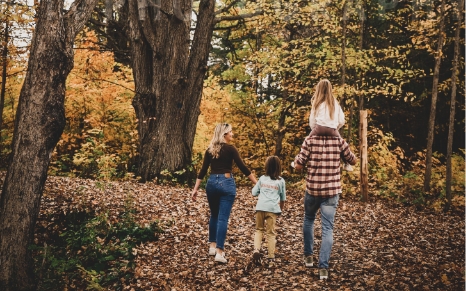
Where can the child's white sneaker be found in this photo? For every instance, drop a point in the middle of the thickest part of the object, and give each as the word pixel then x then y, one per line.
pixel 220 258
pixel 347 167
pixel 212 251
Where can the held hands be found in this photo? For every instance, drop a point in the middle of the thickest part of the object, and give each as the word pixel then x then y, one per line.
pixel 253 179
pixel 297 167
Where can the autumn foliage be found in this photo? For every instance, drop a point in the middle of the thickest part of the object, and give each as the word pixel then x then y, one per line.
pixel 99 228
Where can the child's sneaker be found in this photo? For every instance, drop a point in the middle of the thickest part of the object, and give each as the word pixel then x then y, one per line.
pixel 257 257
pixel 220 258
pixel 347 167
pixel 323 274
pixel 212 251
pixel 309 261
pixel 271 262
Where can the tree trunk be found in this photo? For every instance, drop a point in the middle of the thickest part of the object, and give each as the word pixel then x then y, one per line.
pixel 168 72
pixel 361 47
pixel 343 45
pixel 39 123
pixel 350 123
pixel 361 96
pixel 431 126
pixel 4 70
pixel 281 131
pixel 343 67
pixel 451 123
pixel 364 173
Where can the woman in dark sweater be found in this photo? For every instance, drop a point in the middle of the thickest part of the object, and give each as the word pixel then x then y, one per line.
pixel 221 187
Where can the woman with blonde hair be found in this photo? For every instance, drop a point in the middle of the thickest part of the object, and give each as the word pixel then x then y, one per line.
pixel 326 116
pixel 220 187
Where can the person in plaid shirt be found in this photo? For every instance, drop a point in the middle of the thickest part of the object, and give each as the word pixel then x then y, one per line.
pixel 321 156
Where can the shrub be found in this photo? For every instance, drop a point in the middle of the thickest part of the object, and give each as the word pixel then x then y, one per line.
pixel 86 252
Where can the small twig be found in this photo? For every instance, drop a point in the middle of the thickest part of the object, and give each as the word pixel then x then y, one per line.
pixel 94 79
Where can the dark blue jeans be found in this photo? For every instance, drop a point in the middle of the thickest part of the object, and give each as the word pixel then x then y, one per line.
pixel 221 193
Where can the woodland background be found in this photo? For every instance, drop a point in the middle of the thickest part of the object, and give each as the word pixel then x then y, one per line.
pixel 262 68
pixel 262 71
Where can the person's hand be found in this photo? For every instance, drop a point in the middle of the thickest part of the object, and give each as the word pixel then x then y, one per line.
pixel 194 195
pixel 298 167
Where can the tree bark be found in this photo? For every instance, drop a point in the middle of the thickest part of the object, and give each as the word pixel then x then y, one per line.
pixel 451 123
pixel 361 96
pixel 343 68
pixel 431 126
pixel 168 71
pixel 4 70
pixel 361 47
pixel 364 173
pixel 281 130
pixel 39 123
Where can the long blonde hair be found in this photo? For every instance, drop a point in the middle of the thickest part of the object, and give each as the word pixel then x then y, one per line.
pixel 218 139
pixel 324 94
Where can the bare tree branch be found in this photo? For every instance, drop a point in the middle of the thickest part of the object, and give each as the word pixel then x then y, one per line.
pixel 78 15
pixel 238 17
pixel 226 8
pixel 103 80
pixel 227 27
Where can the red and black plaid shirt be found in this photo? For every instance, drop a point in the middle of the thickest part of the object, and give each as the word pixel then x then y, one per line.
pixel 321 156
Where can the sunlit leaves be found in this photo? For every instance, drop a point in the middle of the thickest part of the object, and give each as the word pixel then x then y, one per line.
pixel 98 99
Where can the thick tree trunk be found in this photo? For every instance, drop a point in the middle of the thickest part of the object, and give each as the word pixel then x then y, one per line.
pixel 451 124
pixel 433 106
pixel 168 72
pixel 39 123
pixel 4 70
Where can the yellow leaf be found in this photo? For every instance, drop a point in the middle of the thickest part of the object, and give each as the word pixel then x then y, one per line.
pixel 445 279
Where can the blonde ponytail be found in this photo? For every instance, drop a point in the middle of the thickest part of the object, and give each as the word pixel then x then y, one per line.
pixel 218 139
pixel 324 94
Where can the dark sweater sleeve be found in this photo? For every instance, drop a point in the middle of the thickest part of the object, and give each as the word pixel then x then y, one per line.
pixel 239 162
pixel 205 165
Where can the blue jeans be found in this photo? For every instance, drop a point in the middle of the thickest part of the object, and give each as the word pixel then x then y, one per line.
pixel 328 208
pixel 221 193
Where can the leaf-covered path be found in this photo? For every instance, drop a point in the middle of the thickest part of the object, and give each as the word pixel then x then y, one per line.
pixel 377 246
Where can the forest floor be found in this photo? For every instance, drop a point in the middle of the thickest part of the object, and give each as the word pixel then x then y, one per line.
pixel 378 245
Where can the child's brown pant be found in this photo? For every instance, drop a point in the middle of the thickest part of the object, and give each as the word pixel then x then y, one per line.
pixel 269 219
